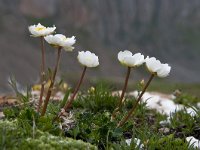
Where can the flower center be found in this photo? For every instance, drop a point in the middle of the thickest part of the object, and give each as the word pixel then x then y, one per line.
pixel 64 38
pixel 89 59
pixel 40 28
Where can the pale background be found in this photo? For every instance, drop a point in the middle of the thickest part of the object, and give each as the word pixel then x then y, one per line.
pixel 166 29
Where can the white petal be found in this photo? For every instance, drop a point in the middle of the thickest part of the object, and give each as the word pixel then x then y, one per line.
pixel 128 59
pixel 123 54
pixel 164 70
pixel 139 59
pixel 88 59
pixel 40 30
pixel 61 40
pixel 152 64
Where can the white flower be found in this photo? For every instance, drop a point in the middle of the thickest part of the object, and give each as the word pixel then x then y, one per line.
pixel 153 65
pixel 59 40
pixel 164 70
pixel 156 67
pixel 88 59
pixel 40 30
pixel 128 59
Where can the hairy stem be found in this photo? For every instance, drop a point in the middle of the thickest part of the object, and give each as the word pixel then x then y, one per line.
pixel 42 78
pixel 52 82
pixel 123 93
pixel 123 121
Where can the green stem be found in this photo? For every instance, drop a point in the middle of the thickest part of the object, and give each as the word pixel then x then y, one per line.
pixel 123 121
pixel 42 78
pixel 52 82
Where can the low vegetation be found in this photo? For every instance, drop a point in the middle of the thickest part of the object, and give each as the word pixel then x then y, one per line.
pixel 90 125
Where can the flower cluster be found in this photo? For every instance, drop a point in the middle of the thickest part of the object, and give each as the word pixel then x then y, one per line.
pixel 59 41
pixel 154 66
pixel 89 60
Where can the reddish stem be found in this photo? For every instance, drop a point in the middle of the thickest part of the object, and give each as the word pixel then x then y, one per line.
pixel 125 86
pixel 42 78
pixel 123 92
pixel 69 103
pixel 52 82
pixel 123 121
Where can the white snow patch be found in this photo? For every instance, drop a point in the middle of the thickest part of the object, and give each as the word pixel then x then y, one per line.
pixel 191 111
pixel 193 141
pixel 162 103
pixel 198 104
pixel 59 95
pixel 136 141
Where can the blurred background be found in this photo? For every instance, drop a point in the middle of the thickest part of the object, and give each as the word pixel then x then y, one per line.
pixel 168 30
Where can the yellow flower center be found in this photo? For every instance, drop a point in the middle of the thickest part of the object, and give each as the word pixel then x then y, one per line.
pixel 89 59
pixel 40 28
pixel 64 38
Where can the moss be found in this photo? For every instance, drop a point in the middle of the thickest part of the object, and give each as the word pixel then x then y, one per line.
pixel 168 142
pixel 14 138
pixel 47 141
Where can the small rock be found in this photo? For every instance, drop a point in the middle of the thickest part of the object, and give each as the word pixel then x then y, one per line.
pixel 1 115
pixel 165 122
pixel 164 130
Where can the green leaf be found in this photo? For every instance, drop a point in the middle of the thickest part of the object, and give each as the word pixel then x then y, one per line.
pixel 63 102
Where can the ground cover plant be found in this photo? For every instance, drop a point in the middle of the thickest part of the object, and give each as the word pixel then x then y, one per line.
pixel 92 124
pixel 98 117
